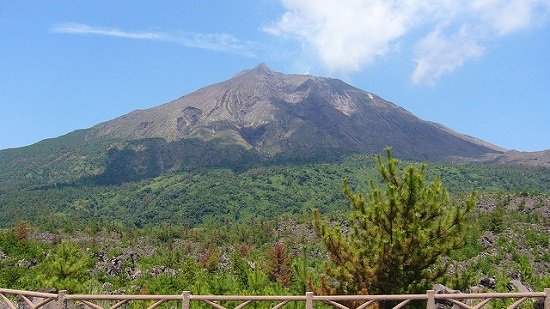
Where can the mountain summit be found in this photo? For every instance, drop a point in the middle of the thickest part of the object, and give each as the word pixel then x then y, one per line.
pixel 275 113
pixel 258 115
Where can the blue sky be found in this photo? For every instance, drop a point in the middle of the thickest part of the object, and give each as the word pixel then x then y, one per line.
pixel 480 67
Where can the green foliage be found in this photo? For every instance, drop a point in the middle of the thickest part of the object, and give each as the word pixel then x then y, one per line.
pixel 241 264
pixel 472 245
pixel 215 227
pixel 17 247
pixel 52 162
pixel 241 270
pixel 10 275
pixel 460 178
pixel 66 268
pixel 496 218
pixel 301 272
pixel 397 236
pixel 257 281
pixel 198 197
pixel 19 253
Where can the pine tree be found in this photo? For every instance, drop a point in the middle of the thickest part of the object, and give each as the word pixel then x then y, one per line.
pixel 66 268
pixel 278 264
pixel 396 237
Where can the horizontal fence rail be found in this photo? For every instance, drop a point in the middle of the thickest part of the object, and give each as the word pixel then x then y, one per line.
pixel 18 299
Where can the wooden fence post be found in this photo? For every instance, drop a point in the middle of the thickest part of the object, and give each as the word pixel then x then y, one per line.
pixel 186 301
pixel 309 300
pixel 431 299
pixel 61 299
pixel 547 298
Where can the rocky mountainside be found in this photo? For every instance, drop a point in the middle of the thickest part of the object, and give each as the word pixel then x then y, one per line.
pixel 537 158
pixel 258 115
pixel 274 113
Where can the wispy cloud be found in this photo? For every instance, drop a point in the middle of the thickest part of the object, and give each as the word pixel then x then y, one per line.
pixel 348 36
pixel 439 53
pixel 76 28
pixel 221 42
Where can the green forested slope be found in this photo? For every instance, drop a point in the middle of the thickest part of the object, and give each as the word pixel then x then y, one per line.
pixel 264 192
pixel 221 232
pixel 250 259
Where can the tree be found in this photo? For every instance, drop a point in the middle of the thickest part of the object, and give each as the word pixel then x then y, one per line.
pixel 396 238
pixel 22 230
pixel 66 268
pixel 278 264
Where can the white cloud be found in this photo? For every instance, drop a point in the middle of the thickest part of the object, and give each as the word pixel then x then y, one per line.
pixel 348 36
pixel 439 54
pixel 506 16
pixel 212 41
pixel 76 28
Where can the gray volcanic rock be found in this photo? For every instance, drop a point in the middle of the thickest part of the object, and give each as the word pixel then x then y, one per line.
pixel 274 113
pixel 258 115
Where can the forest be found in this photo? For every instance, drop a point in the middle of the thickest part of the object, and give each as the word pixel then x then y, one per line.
pixel 205 196
pixel 218 231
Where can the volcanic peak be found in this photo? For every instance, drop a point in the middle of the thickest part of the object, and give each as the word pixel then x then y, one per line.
pixel 273 113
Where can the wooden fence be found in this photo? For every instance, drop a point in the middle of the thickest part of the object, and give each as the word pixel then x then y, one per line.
pixel 63 300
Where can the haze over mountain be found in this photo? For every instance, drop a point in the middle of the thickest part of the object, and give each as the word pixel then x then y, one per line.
pixel 258 115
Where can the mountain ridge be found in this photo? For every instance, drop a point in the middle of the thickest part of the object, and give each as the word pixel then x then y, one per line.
pixel 257 116
pixel 260 102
